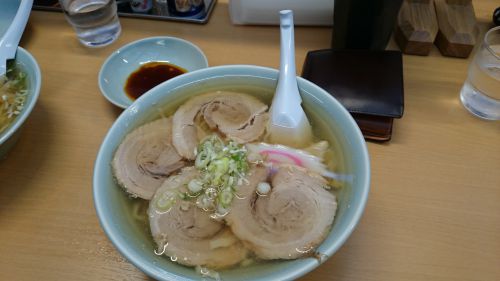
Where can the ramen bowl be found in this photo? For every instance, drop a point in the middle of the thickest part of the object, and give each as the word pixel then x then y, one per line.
pixel 27 64
pixel 327 116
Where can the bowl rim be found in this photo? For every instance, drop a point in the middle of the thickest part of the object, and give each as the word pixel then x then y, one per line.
pixel 293 273
pixel 20 119
pixel 133 44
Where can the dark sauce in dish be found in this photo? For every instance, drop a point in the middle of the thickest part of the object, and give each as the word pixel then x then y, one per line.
pixel 148 76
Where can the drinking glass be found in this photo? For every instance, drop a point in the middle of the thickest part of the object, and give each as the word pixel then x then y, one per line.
pixel 480 93
pixel 95 21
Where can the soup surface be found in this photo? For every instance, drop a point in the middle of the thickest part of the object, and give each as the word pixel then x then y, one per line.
pixel 332 157
pixel 12 95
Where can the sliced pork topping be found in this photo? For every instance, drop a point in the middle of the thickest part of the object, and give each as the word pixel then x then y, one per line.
pixel 146 157
pixel 289 220
pixel 185 232
pixel 238 116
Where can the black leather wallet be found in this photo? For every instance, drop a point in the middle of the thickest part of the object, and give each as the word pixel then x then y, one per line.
pixel 368 83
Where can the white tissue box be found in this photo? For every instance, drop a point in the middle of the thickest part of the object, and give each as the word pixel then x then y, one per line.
pixel 266 12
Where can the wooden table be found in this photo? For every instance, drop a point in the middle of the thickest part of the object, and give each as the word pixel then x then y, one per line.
pixel 434 206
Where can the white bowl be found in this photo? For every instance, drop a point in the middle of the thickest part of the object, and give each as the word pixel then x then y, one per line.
pixel 333 120
pixel 127 59
pixel 26 63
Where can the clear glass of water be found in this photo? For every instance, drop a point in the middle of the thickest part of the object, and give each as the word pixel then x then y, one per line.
pixel 481 91
pixel 95 21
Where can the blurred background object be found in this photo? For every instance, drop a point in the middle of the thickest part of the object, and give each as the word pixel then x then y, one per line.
pixel 141 6
pixel 160 7
pixel 151 9
pixel 264 12
pixel 47 2
pixel 186 8
pixel 361 24
pixel 496 16
pixel 457 27
pixel 480 93
pixel 95 21
pixel 416 27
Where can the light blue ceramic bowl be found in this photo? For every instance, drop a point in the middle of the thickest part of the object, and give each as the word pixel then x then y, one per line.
pixel 7 14
pixel 328 116
pixel 27 64
pixel 117 67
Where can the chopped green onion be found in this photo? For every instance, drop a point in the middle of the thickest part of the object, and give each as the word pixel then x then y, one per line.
pixel 201 160
pixel 222 166
pixel 195 186
pixel 166 200
pixel 225 197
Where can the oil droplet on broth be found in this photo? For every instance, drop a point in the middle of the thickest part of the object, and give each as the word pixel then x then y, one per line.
pixel 161 250
pixel 162 212
pixel 260 194
pixel 304 250
pixel 204 271
pixel 239 196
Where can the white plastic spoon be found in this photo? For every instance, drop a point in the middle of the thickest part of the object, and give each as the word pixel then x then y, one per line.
pixel 288 122
pixel 11 38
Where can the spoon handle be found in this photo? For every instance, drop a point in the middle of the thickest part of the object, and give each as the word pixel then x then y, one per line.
pixel 287 82
pixel 11 38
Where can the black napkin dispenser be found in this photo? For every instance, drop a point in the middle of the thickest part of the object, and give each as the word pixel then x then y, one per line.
pixel 369 84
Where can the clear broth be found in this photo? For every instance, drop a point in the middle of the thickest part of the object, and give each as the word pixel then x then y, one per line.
pixel 334 157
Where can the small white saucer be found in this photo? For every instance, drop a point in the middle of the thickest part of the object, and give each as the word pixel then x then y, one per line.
pixel 127 59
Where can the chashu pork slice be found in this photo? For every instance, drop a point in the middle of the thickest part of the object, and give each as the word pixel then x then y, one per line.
pixel 146 157
pixel 186 233
pixel 290 221
pixel 238 116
